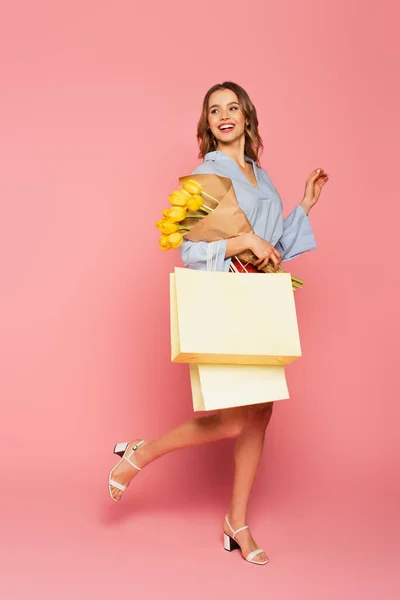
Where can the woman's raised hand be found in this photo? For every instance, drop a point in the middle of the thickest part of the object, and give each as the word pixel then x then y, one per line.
pixel 265 252
pixel 314 184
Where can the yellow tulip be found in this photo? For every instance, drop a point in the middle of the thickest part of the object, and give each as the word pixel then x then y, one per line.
pixel 164 242
pixel 175 239
pixel 175 214
pixel 192 186
pixel 178 198
pixel 195 202
pixel 167 227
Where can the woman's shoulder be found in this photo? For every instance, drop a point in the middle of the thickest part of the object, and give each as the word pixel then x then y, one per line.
pixel 207 167
pixel 203 169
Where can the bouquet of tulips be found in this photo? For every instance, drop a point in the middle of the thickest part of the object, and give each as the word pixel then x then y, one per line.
pixel 199 215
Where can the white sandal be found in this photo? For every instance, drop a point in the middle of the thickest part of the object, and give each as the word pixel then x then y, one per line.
pixel 231 544
pixel 121 449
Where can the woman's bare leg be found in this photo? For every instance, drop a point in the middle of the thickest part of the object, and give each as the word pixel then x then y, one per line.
pixel 248 452
pixel 227 423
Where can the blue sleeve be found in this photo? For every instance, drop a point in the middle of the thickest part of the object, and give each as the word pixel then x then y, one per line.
pixel 297 236
pixel 195 254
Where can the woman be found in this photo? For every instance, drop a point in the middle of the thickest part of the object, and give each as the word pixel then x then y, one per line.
pixel 230 145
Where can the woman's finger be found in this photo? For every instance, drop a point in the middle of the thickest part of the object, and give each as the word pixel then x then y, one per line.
pixel 277 254
pixel 264 263
pixel 313 174
pixel 316 175
pixel 275 261
pixel 321 183
pixel 259 261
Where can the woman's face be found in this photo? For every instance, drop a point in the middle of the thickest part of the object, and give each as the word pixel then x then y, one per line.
pixel 225 117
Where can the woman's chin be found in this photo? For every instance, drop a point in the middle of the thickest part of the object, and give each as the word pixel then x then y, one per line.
pixel 229 141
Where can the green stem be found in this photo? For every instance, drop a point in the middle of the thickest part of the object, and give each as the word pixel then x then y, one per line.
pixel 211 197
pixel 295 279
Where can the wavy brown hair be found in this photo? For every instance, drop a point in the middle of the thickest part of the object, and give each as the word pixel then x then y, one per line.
pixel 253 142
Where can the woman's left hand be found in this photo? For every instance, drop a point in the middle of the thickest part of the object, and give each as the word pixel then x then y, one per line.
pixel 314 184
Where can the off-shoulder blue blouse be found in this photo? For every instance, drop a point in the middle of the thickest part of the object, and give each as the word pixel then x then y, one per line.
pixel 262 206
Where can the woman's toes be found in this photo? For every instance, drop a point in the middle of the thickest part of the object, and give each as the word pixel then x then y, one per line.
pixel 261 557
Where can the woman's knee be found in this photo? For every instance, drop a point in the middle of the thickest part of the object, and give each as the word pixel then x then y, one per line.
pixel 260 413
pixel 232 424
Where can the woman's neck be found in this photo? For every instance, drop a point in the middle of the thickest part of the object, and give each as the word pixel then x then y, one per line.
pixel 234 150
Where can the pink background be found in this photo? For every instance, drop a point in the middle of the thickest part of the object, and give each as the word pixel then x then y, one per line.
pixel 99 106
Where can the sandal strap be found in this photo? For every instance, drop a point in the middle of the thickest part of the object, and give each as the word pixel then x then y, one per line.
pixel 136 446
pixel 253 554
pixel 133 449
pixel 131 463
pixel 117 485
pixel 237 530
pixel 240 529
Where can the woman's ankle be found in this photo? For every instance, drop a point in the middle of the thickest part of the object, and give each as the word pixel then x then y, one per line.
pixel 236 519
pixel 143 455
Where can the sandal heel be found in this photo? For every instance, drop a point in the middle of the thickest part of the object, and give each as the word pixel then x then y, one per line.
pixel 120 448
pixel 229 543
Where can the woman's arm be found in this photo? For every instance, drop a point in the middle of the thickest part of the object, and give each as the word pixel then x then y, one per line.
pixel 297 236
pixel 196 255
pixel 238 244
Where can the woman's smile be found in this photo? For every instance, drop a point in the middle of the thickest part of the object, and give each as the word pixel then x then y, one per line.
pixel 226 127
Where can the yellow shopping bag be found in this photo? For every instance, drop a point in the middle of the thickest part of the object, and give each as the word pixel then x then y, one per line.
pixel 233 318
pixel 227 386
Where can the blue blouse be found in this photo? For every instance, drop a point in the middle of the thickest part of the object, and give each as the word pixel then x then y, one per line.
pixel 263 208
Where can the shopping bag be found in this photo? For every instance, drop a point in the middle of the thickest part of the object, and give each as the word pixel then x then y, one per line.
pixel 227 386
pixel 233 318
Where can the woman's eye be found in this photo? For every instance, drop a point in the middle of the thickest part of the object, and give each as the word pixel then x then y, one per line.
pixel 215 110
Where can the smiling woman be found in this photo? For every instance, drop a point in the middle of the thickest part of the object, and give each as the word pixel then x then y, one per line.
pixel 230 146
